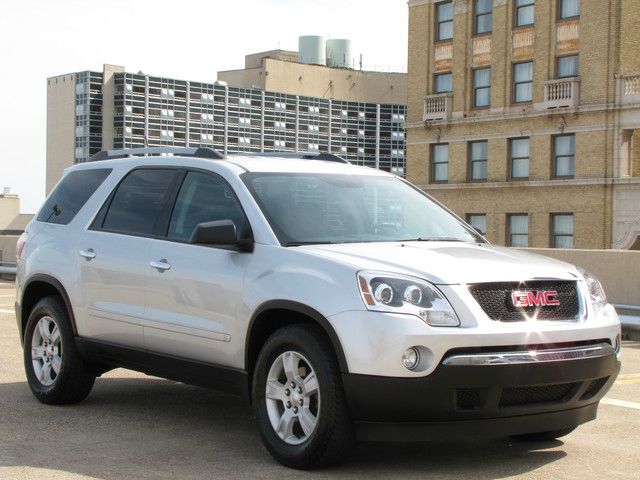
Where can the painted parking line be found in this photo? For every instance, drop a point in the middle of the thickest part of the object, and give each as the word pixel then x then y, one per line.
pixel 6 311
pixel 620 403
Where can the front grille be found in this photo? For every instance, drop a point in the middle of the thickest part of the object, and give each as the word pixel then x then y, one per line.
pixel 594 387
pixel 519 396
pixel 495 299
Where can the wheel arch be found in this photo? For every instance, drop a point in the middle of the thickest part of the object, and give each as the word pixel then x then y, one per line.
pixel 38 287
pixel 274 314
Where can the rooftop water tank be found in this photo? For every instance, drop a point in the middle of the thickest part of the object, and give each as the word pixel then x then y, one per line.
pixel 339 53
pixel 311 49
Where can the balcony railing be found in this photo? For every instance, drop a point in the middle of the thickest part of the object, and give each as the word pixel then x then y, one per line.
pixel 630 87
pixel 561 93
pixel 437 107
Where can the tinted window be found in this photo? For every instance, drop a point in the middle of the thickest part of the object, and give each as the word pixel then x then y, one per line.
pixel 203 198
pixel 137 201
pixel 71 194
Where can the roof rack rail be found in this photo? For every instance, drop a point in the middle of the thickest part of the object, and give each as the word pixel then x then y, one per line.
pixel 328 157
pixel 199 152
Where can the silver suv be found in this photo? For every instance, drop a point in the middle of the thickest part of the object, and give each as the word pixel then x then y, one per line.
pixel 340 301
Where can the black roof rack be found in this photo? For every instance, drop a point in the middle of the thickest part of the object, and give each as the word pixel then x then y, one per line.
pixel 199 152
pixel 328 157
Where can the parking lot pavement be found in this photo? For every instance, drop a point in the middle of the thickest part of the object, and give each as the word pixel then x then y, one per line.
pixel 138 427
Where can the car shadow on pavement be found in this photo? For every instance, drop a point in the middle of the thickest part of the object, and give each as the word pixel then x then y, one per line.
pixel 132 428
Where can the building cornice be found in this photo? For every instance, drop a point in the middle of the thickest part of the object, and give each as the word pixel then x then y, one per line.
pixel 574 182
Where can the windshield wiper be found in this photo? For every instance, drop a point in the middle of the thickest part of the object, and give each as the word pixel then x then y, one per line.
pixel 55 211
pixel 434 239
pixel 299 244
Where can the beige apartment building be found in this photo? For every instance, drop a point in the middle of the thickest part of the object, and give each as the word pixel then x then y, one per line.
pixel 524 117
pixel 12 224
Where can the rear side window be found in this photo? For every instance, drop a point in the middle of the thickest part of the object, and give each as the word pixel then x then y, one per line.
pixel 71 194
pixel 137 201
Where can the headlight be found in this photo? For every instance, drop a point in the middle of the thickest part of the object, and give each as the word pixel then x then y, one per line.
pixel 596 292
pixel 386 292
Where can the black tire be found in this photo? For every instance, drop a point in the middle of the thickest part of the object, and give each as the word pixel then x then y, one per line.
pixel 333 437
pixel 75 379
pixel 545 436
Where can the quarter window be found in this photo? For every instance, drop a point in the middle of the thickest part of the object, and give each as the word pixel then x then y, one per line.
pixel 520 158
pixel 444 14
pixel 482 87
pixel 71 194
pixel 440 162
pixel 518 225
pixel 443 83
pixel 568 8
pixel 138 201
pixel 562 230
pixel 564 147
pixel 524 12
pixel 478 155
pixel 568 66
pixel 203 198
pixel 484 16
pixel 523 82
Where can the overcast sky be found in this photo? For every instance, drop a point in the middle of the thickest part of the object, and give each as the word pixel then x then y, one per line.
pixel 186 39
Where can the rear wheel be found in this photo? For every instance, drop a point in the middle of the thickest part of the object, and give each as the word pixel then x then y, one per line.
pixel 299 401
pixel 55 372
pixel 546 436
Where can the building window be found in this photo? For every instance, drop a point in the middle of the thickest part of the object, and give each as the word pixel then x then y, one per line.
pixel 444 16
pixel 523 82
pixel 482 87
pixel 443 83
pixel 440 162
pixel 518 225
pixel 524 12
pixel 478 155
pixel 562 230
pixel 519 158
pixel 568 8
pixel 484 16
pixel 564 151
pixel 568 66
pixel 479 222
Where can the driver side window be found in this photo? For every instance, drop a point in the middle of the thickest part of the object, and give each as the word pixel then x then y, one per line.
pixel 203 198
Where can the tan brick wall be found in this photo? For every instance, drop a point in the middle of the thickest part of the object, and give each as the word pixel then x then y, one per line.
pixel 602 55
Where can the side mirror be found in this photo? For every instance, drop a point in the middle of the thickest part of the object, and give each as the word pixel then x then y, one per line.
pixel 220 233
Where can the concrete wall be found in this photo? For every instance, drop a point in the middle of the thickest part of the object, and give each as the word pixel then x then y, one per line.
pixel 61 120
pixel 318 81
pixel 8 247
pixel 108 89
pixel 618 270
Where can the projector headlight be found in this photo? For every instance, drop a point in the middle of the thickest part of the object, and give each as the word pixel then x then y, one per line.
pixel 596 292
pixel 387 292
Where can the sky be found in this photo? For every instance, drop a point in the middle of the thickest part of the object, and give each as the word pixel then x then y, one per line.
pixel 185 39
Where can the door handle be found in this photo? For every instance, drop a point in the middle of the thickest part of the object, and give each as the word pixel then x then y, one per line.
pixel 161 265
pixel 89 254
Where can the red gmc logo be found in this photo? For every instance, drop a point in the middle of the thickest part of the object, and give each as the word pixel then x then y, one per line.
pixel 535 299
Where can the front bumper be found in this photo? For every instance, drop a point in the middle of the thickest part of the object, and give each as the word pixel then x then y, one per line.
pixel 491 400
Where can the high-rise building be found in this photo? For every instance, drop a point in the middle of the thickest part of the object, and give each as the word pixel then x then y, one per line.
pixel 92 111
pixel 524 117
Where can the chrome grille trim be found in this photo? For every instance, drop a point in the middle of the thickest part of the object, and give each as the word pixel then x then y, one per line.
pixel 533 356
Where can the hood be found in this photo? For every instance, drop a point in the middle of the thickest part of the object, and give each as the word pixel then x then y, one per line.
pixel 447 262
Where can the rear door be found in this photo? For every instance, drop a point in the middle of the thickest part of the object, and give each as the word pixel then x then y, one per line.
pixel 194 292
pixel 114 256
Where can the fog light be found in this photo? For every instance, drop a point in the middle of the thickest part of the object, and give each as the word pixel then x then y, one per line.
pixel 411 358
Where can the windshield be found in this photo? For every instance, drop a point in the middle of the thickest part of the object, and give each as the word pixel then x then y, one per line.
pixel 305 208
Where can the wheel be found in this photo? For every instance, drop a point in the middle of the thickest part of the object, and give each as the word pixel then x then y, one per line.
pixel 55 372
pixel 299 400
pixel 546 436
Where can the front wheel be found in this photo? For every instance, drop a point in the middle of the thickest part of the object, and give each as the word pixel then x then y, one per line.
pixel 299 400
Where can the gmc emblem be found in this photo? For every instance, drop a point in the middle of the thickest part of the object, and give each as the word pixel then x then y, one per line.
pixel 535 299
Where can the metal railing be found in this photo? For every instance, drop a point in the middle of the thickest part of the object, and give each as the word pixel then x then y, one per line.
pixel 562 93
pixel 437 107
pixel 8 268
